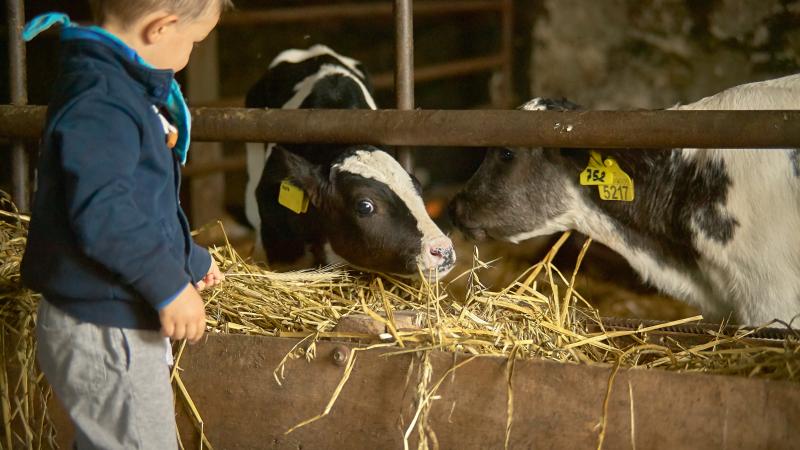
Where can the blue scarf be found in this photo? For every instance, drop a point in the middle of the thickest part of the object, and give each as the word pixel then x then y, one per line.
pixel 175 104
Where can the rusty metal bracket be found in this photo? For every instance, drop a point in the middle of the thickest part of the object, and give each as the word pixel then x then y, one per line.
pixel 703 329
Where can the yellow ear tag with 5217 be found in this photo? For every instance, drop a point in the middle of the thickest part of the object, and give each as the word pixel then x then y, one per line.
pixel 611 181
pixel 293 197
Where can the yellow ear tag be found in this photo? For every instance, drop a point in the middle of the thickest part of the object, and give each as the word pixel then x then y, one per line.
pixel 596 173
pixel 611 181
pixel 293 197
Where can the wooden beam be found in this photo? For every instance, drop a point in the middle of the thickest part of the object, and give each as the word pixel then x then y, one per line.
pixel 207 191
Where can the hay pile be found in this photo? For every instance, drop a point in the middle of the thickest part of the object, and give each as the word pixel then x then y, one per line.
pixel 23 391
pixel 538 315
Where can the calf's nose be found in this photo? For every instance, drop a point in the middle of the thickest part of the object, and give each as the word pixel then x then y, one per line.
pixel 440 254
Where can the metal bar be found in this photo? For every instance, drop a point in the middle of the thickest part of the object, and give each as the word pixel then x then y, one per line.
pixel 16 52
pixel 507 53
pixel 476 128
pixel 404 67
pixel 703 329
pixel 615 129
pixel 22 122
pixel 19 96
pixel 317 13
pixel 446 70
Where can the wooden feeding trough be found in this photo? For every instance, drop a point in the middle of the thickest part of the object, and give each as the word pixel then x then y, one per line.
pixel 396 365
pixel 554 405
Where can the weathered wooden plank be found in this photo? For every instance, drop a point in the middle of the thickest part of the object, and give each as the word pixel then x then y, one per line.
pixel 555 405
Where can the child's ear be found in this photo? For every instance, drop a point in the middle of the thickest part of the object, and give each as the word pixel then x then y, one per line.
pixel 157 25
pixel 302 173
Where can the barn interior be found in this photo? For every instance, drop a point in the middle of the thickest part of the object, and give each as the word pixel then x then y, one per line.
pixel 468 54
pixel 601 55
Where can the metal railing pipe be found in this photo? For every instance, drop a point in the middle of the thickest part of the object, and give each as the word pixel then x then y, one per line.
pixel 404 66
pixel 507 54
pixel 444 70
pixel 19 96
pixel 319 13
pixel 473 128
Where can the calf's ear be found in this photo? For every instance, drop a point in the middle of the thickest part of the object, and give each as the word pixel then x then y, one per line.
pixel 301 173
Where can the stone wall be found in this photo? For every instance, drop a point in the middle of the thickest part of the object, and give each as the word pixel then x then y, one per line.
pixel 614 54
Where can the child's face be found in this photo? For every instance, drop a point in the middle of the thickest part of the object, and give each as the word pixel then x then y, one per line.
pixel 172 49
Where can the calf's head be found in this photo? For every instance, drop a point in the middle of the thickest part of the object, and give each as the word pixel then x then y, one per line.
pixel 372 213
pixel 519 193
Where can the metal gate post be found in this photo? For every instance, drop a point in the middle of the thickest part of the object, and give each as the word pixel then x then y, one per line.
pixel 19 96
pixel 404 66
pixel 507 30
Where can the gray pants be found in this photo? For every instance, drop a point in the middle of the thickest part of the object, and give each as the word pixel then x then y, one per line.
pixel 113 382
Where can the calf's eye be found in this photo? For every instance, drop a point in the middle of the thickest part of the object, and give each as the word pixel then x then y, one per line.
pixel 506 154
pixel 365 207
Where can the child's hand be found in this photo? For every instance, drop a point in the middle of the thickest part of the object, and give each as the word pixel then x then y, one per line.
pixel 185 317
pixel 212 278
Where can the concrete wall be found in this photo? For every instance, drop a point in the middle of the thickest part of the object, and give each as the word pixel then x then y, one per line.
pixel 613 54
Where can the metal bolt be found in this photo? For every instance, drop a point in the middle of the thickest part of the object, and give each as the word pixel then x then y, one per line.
pixel 340 355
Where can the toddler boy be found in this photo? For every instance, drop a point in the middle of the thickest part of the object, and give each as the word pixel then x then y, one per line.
pixel 109 247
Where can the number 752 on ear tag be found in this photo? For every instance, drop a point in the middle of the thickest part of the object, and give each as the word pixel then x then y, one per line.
pixel 596 172
pixel 293 197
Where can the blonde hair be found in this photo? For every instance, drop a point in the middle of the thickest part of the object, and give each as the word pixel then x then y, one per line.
pixel 128 11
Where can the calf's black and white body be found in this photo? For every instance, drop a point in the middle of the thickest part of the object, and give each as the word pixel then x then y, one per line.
pixel 365 209
pixel 719 228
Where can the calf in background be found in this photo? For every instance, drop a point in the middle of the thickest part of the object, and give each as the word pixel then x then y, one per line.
pixel 719 228
pixel 365 209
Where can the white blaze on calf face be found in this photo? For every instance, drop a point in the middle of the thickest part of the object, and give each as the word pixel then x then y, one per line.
pixel 380 166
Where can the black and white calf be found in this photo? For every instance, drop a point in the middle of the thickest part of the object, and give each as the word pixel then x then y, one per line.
pixel 365 210
pixel 719 228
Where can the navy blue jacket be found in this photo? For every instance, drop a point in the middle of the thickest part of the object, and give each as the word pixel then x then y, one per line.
pixel 108 242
